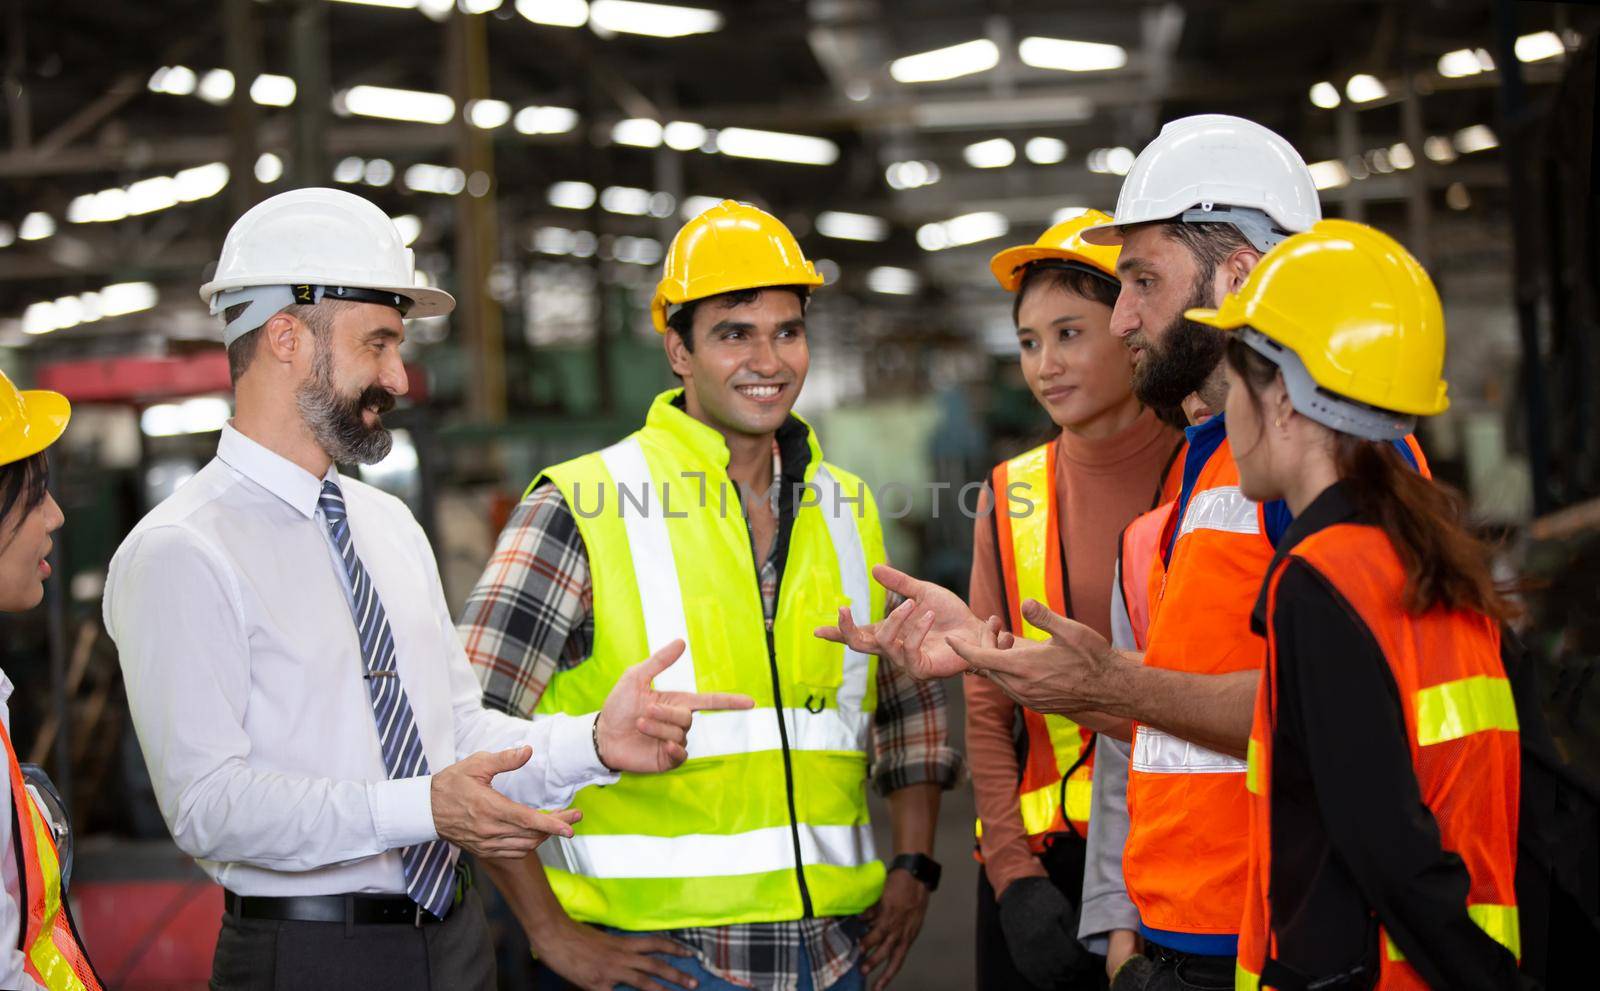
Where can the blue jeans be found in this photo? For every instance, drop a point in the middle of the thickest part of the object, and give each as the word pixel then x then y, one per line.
pixel 852 981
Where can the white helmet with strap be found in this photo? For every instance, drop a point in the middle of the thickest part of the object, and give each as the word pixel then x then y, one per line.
pixel 311 244
pixel 1213 168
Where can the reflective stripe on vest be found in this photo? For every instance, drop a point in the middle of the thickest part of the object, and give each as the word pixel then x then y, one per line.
pixel 1027 528
pixel 52 953
pixel 767 794
pixel 1460 716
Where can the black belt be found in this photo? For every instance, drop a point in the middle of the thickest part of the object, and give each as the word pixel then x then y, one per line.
pixel 351 910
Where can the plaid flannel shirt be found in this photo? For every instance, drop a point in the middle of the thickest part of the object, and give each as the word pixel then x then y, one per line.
pixel 532 615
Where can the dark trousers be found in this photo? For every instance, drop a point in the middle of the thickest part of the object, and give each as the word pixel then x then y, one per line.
pixel 1063 861
pixel 265 955
pixel 1169 970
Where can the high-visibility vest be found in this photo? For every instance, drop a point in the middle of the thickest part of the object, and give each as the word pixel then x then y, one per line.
pixel 767 819
pixel 1032 566
pixel 1461 723
pixel 52 953
pixel 1139 574
pixel 1188 819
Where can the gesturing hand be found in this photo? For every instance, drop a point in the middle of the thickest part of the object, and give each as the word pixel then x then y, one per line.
pixel 903 636
pixel 640 729
pixel 1067 673
pixel 468 812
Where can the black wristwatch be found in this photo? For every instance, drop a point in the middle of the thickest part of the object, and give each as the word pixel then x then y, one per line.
pixel 919 866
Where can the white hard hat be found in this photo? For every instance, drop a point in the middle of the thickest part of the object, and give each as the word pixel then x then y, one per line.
pixel 1213 168
pixel 309 244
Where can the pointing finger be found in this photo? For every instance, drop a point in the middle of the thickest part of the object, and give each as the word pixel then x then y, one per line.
pixel 707 701
pixel 662 659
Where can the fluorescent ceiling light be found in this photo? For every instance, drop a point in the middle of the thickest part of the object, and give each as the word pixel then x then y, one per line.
pixel 1439 149
pixel 1110 161
pixel 1067 213
pixel 1400 156
pixel 953 62
pixel 545 120
pixel 911 174
pixel 636 250
pixel 801 149
pixel 269 168
pixel 198 183
pixel 1538 46
pixel 571 195
pixel 637 132
pixel 995 153
pixel 216 87
pixel 271 90
pixel 395 4
pixel 348 170
pixel 118 299
pixel 627 200
pixel 1478 137
pixel 1071 56
pixel 852 226
pixel 554 240
pixel 1465 62
pixel 8 235
pixel 399 104
pixel 969 228
pixel 200 415
pixel 409 226
pixel 684 135
pixel 175 80
pixel 1325 95
pixel 694 206
pixel 479 6
pixel 379 172
pixel 486 115
pixel 441 179
pixel 1330 174
pixel 1045 151
pixel 893 281
pixel 656 20
pixel 1364 88
pixel 556 13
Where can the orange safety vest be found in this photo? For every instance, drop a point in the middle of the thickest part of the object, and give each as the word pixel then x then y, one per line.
pixel 1188 819
pixel 1462 725
pixel 52 953
pixel 1056 786
pixel 1139 569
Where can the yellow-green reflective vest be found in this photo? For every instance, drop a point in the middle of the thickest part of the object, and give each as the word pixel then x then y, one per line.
pixel 767 820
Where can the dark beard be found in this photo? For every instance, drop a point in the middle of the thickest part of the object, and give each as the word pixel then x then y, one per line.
pixel 1189 352
pixel 336 420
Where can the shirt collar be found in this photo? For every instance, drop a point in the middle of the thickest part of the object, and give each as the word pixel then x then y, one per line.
pixel 273 472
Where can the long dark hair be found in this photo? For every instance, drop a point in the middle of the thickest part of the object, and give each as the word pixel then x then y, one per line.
pixel 23 485
pixel 1445 564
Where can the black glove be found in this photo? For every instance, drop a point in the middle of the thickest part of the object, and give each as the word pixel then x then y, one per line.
pixel 1134 974
pixel 1041 930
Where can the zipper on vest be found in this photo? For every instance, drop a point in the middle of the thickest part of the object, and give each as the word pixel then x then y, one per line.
pixel 777 702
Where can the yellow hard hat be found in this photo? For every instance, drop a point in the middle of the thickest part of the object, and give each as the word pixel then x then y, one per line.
pixel 730 247
pixel 1063 242
pixel 29 421
pixel 1355 308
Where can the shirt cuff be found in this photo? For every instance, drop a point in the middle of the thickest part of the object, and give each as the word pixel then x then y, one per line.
pixel 1101 914
pixel 402 811
pixel 573 763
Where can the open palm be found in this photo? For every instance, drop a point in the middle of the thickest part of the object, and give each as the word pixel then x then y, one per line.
pixel 912 636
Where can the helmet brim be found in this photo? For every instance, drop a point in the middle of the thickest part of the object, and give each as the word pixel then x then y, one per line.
pixel 45 419
pixel 1009 265
pixel 1108 235
pixel 425 301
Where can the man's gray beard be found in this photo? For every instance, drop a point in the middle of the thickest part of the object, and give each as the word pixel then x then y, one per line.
pixel 336 422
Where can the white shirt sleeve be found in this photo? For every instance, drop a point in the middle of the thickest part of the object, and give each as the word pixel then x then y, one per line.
pixel 564 758
pixel 173 608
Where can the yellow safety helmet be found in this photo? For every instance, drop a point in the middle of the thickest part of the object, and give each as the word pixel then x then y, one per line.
pixel 1350 307
pixel 29 421
pixel 730 247
pixel 1063 242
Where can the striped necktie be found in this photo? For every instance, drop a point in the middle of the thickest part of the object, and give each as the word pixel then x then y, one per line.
pixel 428 866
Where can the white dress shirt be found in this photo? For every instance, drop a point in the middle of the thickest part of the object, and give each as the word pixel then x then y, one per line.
pixel 12 974
pixel 231 614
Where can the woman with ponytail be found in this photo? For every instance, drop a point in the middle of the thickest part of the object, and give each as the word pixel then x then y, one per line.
pixel 1383 756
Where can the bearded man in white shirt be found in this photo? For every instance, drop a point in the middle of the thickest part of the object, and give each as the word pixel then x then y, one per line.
pixel 314 733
